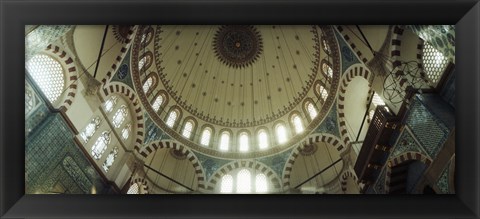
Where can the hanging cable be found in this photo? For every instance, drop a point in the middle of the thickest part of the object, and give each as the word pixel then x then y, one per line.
pixel 100 52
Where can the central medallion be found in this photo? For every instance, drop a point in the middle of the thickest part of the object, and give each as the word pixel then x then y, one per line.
pixel 237 46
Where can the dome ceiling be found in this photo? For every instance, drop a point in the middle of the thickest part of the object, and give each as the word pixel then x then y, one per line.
pixel 237 76
pixel 236 79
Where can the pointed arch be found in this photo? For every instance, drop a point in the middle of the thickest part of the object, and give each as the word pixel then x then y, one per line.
pixel 314 138
pixel 70 71
pixel 155 145
pixel 254 165
pixel 346 175
pixel 402 158
pixel 137 117
pixel 142 183
pixel 356 70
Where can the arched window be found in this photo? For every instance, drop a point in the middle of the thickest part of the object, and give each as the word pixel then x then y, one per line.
pixel 325 47
pixel 297 123
pixel 262 139
pixel 225 141
pixel 157 103
pixel 146 36
pixel 244 181
pixel 172 117
pixel 244 146
pixel 101 145
pixel 134 189
pixel 110 104
pixel 312 112
pixel 434 63
pixel 377 100
pixel 205 140
pixel 327 70
pixel 322 91
pixel 110 159
pixel 226 185
pixel 281 134
pixel 261 183
pixel 90 129
pixel 48 75
pixel 187 129
pixel 126 131
pixel 120 116
pixel 148 83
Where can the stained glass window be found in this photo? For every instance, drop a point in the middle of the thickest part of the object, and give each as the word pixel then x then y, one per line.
pixel 126 131
pixel 90 129
pixel 110 159
pixel 120 116
pixel 110 104
pixel 101 145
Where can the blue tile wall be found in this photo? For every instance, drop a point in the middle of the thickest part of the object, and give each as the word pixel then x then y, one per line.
pixel 277 162
pixel 442 182
pixel 53 158
pixel 123 72
pixel 348 57
pixel 380 183
pixel 427 127
pixel 210 164
pixel 329 123
pixel 406 143
pixel 153 132
pixel 43 35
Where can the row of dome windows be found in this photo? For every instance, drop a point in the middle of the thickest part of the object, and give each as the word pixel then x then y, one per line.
pixel 159 101
pixel 224 145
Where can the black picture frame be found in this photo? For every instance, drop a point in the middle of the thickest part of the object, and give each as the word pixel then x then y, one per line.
pixel 14 14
